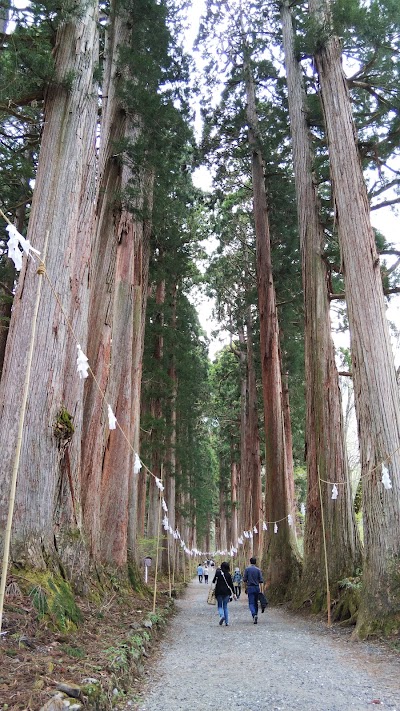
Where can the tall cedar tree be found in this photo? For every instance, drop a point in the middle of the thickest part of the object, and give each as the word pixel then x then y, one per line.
pixel 325 445
pixel 376 390
pixel 231 278
pixel 48 498
pixel 136 93
pixel 281 555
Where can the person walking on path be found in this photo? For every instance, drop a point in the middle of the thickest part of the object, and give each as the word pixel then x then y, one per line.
pixel 206 574
pixel 200 573
pixel 237 582
pixel 223 591
pixel 254 581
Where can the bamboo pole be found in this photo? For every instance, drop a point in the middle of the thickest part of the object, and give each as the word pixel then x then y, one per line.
pixel 328 592
pixel 169 567
pixel 7 537
pixel 173 562
pixel 157 554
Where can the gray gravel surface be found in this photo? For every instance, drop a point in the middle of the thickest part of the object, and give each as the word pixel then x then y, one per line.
pixel 285 663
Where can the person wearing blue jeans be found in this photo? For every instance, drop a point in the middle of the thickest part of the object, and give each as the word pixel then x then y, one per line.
pixel 222 603
pixel 253 578
pixel 223 591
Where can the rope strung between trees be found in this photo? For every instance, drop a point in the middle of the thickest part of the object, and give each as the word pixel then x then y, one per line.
pixel 43 272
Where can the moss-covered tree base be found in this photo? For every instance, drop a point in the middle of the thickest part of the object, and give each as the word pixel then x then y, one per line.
pixel 385 626
pixel 281 587
pixel 136 578
pixel 311 595
pixel 345 609
pixel 51 596
pixel 306 597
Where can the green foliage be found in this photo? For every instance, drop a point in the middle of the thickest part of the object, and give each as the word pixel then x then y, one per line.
pixel 74 652
pixel 147 547
pixel 300 483
pixel 63 426
pixel 358 498
pixel 39 600
pixel 156 618
pixel 354 583
pixel 53 599
pixel 225 411
pixel 121 657
pixel 232 271
pixel 62 605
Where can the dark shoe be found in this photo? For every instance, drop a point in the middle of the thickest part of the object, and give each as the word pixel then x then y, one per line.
pixel 226 624
pixel 262 610
pixel 255 619
pixel 221 622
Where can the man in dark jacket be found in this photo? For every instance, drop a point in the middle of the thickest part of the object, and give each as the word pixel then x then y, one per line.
pixel 254 580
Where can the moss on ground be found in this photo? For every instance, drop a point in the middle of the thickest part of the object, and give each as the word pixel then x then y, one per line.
pixel 52 597
pixel 98 642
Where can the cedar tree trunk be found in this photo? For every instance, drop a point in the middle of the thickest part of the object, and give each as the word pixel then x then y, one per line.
pixel 47 510
pixel 325 444
pixel 375 388
pixel 280 555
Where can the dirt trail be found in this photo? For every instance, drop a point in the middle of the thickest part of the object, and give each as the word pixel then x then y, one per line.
pixel 284 663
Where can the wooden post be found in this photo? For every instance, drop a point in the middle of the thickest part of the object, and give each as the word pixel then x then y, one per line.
pixel 157 553
pixel 7 537
pixel 328 592
pixel 169 567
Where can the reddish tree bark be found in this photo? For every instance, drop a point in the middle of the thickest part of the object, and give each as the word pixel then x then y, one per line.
pixel 245 479
pixel 375 387
pixel 49 486
pixel 253 442
pixel 119 266
pixel 157 414
pixel 137 482
pixel 325 444
pixel 280 557
pixel 234 502
pixel 170 478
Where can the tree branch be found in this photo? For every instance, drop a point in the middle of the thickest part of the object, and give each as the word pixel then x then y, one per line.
pixel 22 101
pixel 386 203
pixel 6 289
pixel 390 251
pixel 374 193
pixel 342 297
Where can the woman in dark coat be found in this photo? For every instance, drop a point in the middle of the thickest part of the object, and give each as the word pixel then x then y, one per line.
pixel 223 591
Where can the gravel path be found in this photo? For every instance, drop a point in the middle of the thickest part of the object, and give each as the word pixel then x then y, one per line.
pixel 284 663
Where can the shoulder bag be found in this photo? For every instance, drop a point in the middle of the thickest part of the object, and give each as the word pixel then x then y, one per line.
pixel 211 599
pixel 232 596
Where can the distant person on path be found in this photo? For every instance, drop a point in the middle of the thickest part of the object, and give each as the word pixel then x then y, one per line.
pixel 254 580
pixel 206 574
pixel 200 573
pixel 237 582
pixel 223 591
